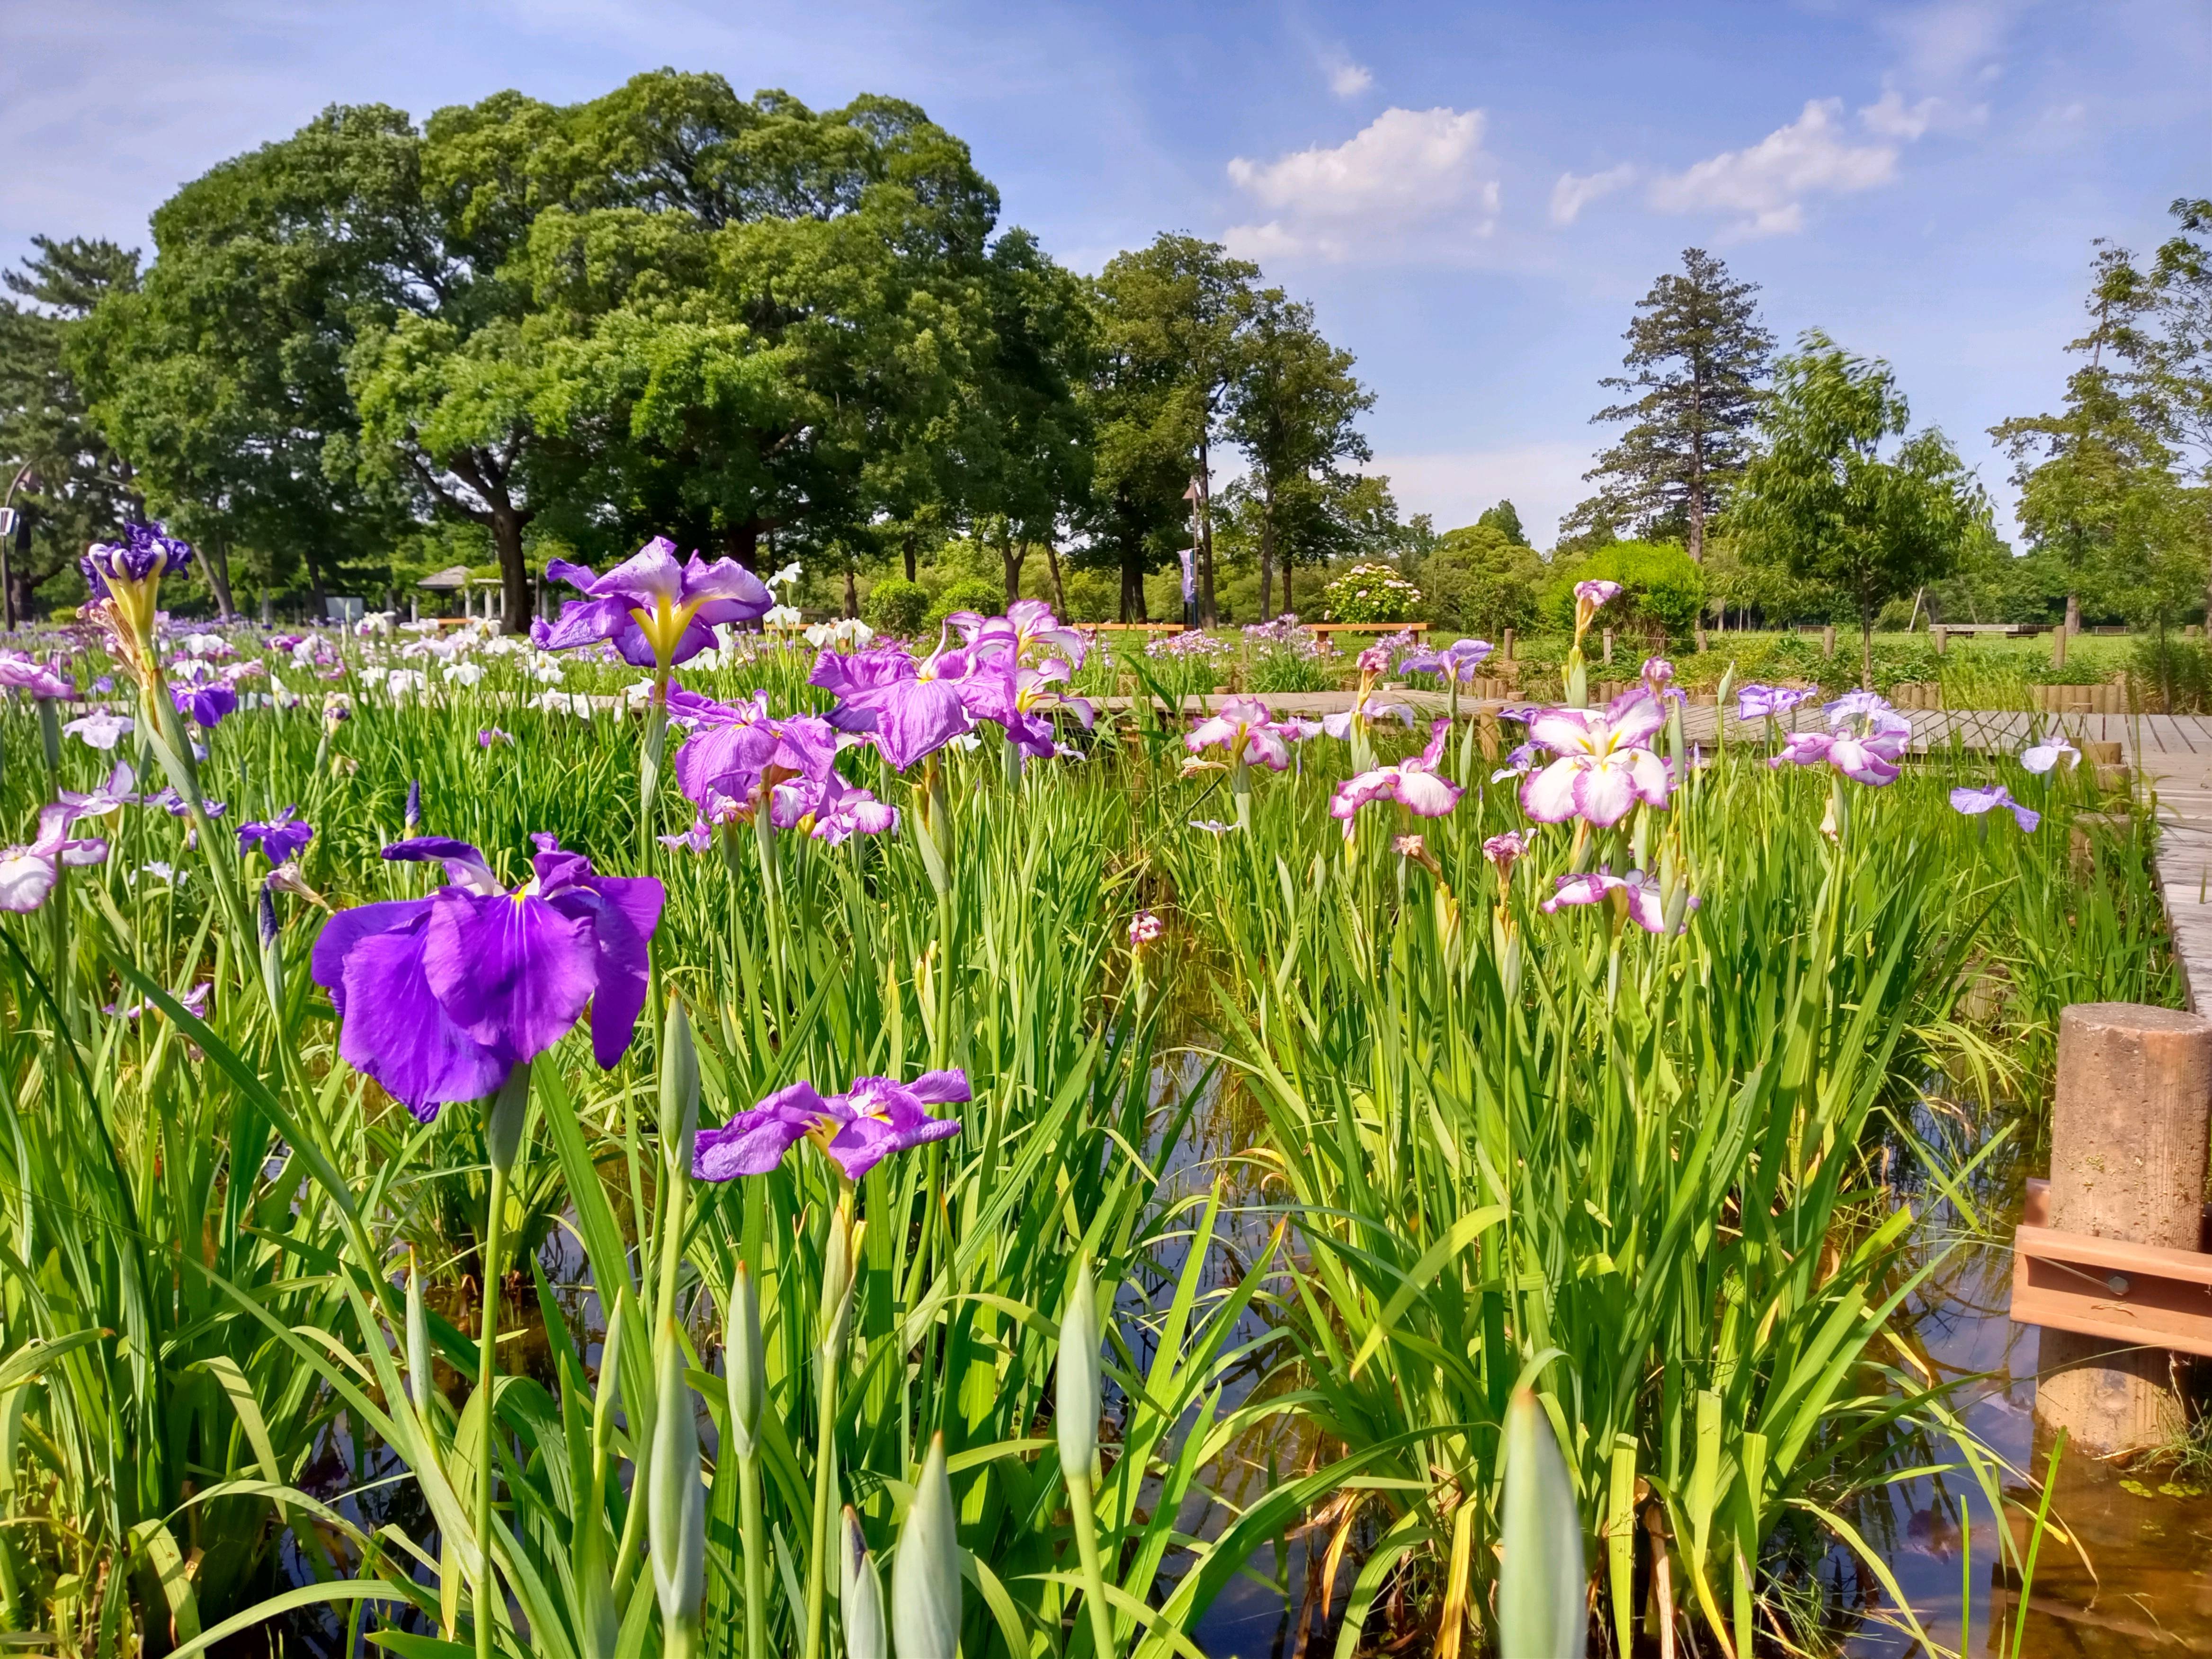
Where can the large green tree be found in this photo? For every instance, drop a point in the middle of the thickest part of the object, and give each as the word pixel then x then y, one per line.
pixel 666 310
pixel 68 485
pixel 1696 356
pixel 1824 499
pixel 1172 316
pixel 1293 407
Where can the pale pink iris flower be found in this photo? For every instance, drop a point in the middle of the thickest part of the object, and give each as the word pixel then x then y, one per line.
pixel 1605 764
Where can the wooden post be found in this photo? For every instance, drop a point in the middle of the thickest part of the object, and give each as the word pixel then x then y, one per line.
pixel 1828 641
pixel 1702 646
pixel 1939 637
pixel 1608 645
pixel 1505 648
pixel 2128 1133
pixel 2058 647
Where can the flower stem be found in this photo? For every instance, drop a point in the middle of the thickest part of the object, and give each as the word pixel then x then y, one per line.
pixel 825 1500
pixel 1094 1575
pixel 487 1369
pixel 753 1532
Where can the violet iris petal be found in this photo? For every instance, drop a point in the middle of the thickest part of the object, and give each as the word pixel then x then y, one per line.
pixel 1603 766
pixel 439 998
pixel 280 839
pixel 144 551
pixel 206 704
pixel 1458 661
pixel 1976 801
pixel 1765 701
pixel 22 673
pixel 883 1118
pixel 677 605
pixel 755 1140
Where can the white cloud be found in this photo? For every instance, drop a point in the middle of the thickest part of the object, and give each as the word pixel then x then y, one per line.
pixel 1347 79
pixel 1542 480
pixel 1892 118
pixel 1946 43
pixel 1406 172
pixel 1768 182
pixel 1577 191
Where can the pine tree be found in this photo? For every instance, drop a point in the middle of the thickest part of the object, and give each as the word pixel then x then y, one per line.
pixel 1696 355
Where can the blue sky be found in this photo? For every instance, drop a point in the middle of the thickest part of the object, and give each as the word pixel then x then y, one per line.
pixel 1474 195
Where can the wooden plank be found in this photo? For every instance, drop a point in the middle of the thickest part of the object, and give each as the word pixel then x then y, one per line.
pixel 2107 1288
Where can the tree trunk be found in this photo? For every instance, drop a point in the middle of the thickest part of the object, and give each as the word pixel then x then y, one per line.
pixel 2073 613
pixel 908 547
pixel 513 575
pixel 1012 554
pixel 220 578
pixel 741 541
pixel 1267 554
pixel 1207 616
pixel 316 591
pixel 1866 647
pixel 1052 568
pixel 1132 582
pixel 1289 610
pixel 852 592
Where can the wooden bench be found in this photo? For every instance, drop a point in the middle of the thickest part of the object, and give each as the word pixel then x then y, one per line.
pixel 1366 628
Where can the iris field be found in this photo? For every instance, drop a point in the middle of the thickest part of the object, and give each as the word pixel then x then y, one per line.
pixel 962 1168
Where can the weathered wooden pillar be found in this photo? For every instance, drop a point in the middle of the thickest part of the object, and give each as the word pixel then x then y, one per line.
pixel 1828 641
pixel 1505 648
pixel 2128 1133
pixel 1608 645
pixel 1939 637
pixel 2058 647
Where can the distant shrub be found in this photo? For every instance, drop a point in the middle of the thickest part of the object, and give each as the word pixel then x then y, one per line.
pixel 896 606
pixel 974 594
pixel 1370 594
pixel 1665 589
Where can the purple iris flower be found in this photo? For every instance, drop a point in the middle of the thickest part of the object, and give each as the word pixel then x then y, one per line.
pixel 1457 661
pixel 911 709
pixel 1246 727
pixel 1036 694
pixel 736 754
pixel 1413 784
pixel 439 998
pixel 45 683
pixel 490 735
pixel 280 839
pixel 1973 801
pixel 1637 893
pixel 145 552
pixel 831 809
pixel 1755 702
pixel 28 873
pixel 206 702
pixel 1605 764
pixel 1028 624
pixel 856 1130
pixel 410 816
pixel 657 612
pixel 1869 754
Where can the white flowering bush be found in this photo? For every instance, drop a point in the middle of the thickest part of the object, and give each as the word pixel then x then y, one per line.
pixel 1370 594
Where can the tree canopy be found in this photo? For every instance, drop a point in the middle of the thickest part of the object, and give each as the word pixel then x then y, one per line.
pixel 1823 499
pixel 1696 355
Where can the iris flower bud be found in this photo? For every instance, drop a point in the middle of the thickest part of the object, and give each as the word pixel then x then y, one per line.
pixel 676 1502
pixel 926 1573
pixel 418 1339
pixel 837 1270
pixel 679 1090
pixel 412 816
pixel 1076 1406
pixel 744 1360
pixel 860 1592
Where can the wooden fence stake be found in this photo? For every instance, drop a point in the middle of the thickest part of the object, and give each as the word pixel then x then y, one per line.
pixel 2129 1128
